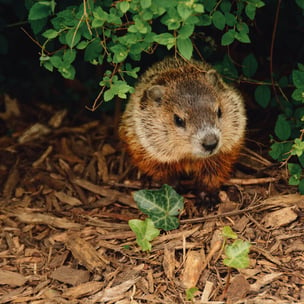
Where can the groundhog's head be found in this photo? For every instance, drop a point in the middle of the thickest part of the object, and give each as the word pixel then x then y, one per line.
pixel 189 115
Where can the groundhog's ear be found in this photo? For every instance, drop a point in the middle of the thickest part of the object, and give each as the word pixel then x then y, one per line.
pixel 215 79
pixel 156 92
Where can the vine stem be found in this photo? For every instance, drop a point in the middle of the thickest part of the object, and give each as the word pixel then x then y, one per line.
pixel 274 31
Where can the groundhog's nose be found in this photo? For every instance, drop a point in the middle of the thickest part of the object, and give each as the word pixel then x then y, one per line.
pixel 210 142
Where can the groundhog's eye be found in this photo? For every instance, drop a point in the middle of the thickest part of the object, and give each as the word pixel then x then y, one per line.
pixel 179 122
pixel 219 113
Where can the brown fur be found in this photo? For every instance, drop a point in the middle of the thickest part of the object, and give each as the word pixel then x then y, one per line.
pixel 148 122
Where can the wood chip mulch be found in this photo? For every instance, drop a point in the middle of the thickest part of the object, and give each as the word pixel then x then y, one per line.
pixel 66 198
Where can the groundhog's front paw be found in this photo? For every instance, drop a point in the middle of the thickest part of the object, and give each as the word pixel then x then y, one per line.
pixel 208 199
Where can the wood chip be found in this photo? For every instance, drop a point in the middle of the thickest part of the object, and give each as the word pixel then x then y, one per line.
pixel 280 217
pixel 69 275
pixel 84 289
pixel 85 253
pixel 56 120
pixel 40 218
pixel 169 262
pixel 34 132
pixel 11 278
pixel 65 198
pixel 113 293
pixel 193 268
pixel 238 289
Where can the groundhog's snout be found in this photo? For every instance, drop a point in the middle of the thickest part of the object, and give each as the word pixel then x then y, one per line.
pixel 210 142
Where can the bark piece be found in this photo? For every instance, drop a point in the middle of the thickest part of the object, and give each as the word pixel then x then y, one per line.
pixel 70 276
pixel 11 278
pixel 86 254
pixel 238 289
pixel 280 217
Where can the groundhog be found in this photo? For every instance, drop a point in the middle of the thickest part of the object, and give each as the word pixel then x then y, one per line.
pixel 184 120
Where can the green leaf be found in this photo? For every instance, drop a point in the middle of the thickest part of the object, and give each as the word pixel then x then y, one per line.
pixel 190 293
pixel 298 95
pixel 120 52
pixel 282 128
pixel 298 78
pixel 185 31
pixel 40 10
pixel 185 47
pixel 300 3
pixel 72 37
pixel 262 95
pixel 225 6
pixel 50 34
pixel 198 8
pixel 249 65
pixel 67 71
pixel 298 147
pixel 209 4
pixel 250 11
pixel 219 20
pixel 93 50
pixel 227 232
pixel 69 56
pixel 123 6
pixel 145 3
pixel 279 150
pixel 228 37
pixel 165 39
pixel 100 17
pixel 242 37
pixel 162 206
pixel 145 232
pixel 184 11
pixel 237 254
pixel 294 169
pixel 230 19
pixel 301 186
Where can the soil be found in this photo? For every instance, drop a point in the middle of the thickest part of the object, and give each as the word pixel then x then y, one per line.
pixel 66 197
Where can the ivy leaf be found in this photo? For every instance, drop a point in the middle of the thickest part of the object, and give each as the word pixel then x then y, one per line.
pixel 249 65
pixel 190 293
pixel 227 232
pixel 162 206
pixel 185 47
pixel 145 232
pixel 237 254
